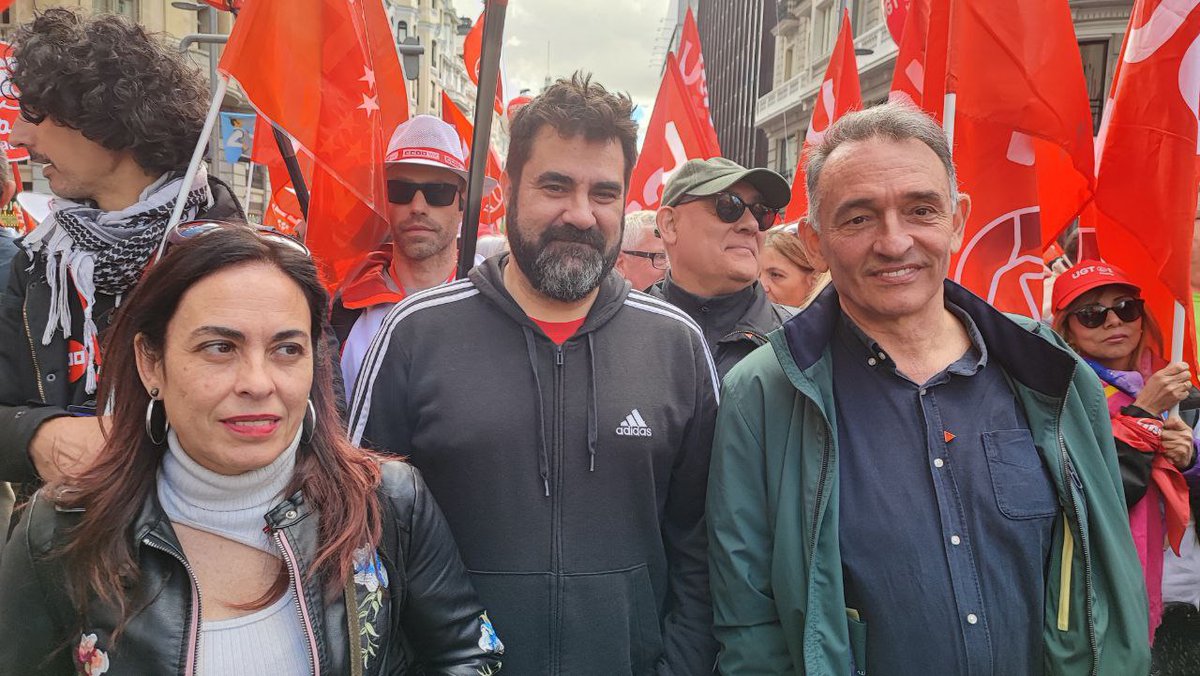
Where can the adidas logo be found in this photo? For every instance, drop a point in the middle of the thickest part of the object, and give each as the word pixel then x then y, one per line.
pixel 634 426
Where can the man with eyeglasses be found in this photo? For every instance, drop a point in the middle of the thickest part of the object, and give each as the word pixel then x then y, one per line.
pixel 712 221
pixel 643 261
pixel 426 166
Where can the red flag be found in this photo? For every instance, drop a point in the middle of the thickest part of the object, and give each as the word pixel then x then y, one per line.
pixel 1022 134
pixel 896 13
pixel 1147 167
pixel 908 77
pixel 673 137
pixel 472 57
pixel 327 72
pixel 691 68
pixel 839 94
pixel 8 105
pixel 283 207
pixel 492 208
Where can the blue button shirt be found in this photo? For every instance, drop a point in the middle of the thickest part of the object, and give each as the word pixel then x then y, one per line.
pixel 947 513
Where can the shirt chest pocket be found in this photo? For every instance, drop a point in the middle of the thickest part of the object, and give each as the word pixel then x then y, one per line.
pixel 1020 481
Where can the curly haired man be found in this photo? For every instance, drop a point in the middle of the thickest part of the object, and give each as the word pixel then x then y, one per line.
pixel 112 115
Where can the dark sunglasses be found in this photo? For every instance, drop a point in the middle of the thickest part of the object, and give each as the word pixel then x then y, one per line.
pixel 436 194
pixel 1128 310
pixel 193 229
pixel 658 259
pixel 730 207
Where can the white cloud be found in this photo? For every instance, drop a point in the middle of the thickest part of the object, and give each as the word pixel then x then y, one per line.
pixel 613 39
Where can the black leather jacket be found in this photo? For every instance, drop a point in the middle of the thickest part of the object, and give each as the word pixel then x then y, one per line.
pixel 429 620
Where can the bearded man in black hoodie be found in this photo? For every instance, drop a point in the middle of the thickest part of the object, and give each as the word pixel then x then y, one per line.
pixel 562 421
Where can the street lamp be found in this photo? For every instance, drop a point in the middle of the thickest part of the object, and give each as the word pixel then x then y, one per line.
pixel 214 143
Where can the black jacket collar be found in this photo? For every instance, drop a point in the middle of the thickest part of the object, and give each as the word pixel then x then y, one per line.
pixel 744 311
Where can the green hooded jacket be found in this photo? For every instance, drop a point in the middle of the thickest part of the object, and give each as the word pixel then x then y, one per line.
pixel 778 596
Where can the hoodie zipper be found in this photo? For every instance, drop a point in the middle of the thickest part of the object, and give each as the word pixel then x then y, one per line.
pixel 193 654
pixel 289 559
pixel 1072 481
pixel 556 506
pixel 37 369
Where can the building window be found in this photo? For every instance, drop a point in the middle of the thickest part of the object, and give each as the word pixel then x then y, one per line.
pixel 401 30
pixel 826 27
pixel 1095 73
pixel 127 8
pixel 789 58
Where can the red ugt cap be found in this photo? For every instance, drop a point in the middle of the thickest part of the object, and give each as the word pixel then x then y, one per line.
pixel 1085 276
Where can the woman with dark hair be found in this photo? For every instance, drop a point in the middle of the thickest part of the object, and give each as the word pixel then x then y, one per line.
pixel 227 526
pixel 1099 311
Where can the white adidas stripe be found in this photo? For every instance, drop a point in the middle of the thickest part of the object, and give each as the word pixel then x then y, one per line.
pixel 361 404
pixel 675 313
pixel 637 417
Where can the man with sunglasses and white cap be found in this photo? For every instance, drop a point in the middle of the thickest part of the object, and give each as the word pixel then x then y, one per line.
pixel 426 166
pixel 712 221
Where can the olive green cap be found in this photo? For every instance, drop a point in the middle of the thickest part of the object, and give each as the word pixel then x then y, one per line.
pixel 709 177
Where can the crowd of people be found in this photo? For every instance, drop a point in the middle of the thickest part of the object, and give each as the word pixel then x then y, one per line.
pixel 682 441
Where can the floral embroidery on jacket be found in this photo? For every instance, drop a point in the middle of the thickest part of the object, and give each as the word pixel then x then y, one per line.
pixel 93 660
pixel 371 579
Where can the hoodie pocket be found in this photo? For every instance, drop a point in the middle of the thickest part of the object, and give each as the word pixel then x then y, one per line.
pixel 610 623
pixel 1019 478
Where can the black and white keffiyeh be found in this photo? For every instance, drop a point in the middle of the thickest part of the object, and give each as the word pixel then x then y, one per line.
pixel 105 251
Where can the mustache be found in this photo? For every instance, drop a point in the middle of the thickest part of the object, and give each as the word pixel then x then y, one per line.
pixel 39 158
pixel 569 233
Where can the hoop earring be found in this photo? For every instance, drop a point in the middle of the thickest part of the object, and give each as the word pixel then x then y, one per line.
pixel 153 416
pixel 309 426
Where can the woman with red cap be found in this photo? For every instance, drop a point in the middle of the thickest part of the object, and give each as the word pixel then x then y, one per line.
pixel 1099 311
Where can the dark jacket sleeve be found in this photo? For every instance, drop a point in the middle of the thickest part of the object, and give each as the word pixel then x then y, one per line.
pixel 31 642
pixel 21 411
pixel 441 615
pixel 689 647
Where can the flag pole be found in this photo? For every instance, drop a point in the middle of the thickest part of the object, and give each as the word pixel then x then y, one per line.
pixel 1177 329
pixel 489 73
pixel 189 176
pixel 288 152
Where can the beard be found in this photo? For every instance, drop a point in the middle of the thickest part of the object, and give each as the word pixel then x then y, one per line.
pixel 432 244
pixel 563 262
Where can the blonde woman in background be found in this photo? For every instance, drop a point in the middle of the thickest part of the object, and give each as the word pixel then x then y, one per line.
pixel 787 274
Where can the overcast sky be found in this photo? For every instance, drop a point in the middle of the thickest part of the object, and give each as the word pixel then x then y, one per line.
pixel 614 39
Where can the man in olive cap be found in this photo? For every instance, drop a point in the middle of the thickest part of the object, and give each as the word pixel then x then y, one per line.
pixel 712 221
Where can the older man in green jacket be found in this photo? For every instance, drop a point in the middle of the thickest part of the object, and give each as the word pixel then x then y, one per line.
pixel 906 481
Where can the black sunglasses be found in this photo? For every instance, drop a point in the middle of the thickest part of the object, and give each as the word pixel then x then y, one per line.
pixel 1128 310
pixel 658 259
pixel 436 194
pixel 193 229
pixel 730 207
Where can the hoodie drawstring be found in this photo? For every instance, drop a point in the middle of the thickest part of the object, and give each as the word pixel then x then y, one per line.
pixel 544 457
pixel 593 433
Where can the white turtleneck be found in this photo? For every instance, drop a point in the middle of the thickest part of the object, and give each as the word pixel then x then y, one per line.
pixel 267 641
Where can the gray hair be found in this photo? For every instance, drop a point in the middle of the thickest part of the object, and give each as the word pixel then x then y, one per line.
pixel 638 224
pixel 891 121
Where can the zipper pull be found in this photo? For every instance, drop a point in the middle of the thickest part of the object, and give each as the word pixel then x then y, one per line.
pixel 558 356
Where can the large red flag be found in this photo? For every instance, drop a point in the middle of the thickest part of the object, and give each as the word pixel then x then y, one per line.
pixel 691 68
pixel 839 94
pixel 1017 110
pixel 473 55
pixel 1147 169
pixel 908 76
pixel 673 137
pixel 327 72
pixel 492 208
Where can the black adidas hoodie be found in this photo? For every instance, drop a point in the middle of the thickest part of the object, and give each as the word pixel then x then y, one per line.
pixel 573 477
